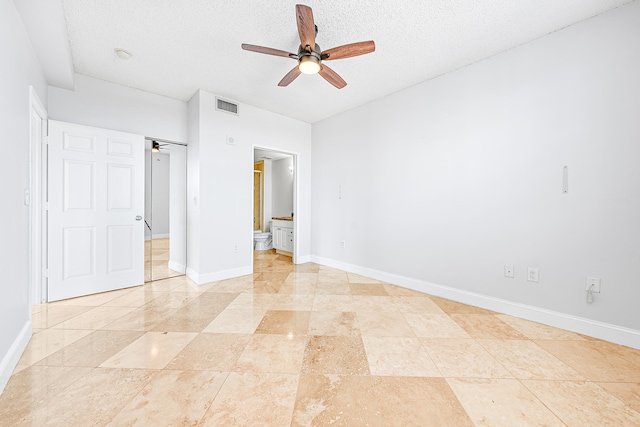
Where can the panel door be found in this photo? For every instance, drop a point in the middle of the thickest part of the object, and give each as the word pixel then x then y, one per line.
pixel 96 203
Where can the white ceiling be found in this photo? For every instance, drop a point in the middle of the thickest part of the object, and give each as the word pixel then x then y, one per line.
pixel 180 46
pixel 260 154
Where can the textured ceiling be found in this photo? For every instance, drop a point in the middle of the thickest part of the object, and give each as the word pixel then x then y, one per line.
pixel 181 46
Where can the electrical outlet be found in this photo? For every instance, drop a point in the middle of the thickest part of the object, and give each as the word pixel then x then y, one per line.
pixel 532 275
pixel 508 270
pixel 595 282
pixel 235 248
pixel 342 244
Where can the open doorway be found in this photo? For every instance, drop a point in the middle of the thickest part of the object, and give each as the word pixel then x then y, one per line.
pixel 165 210
pixel 274 201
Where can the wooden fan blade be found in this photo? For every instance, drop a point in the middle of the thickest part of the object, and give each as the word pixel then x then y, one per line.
pixel 306 27
pixel 349 50
pixel 291 76
pixel 268 50
pixel 332 77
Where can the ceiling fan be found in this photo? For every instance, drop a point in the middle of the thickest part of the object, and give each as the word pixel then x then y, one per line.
pixel 310 56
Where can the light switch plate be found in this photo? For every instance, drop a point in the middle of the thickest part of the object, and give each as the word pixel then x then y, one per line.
pixel 532 275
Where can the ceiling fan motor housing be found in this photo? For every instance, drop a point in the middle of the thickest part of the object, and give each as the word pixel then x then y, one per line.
pixel 316 52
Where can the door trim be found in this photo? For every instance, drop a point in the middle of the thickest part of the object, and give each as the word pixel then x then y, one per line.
pixel 37 199
pixel 296 208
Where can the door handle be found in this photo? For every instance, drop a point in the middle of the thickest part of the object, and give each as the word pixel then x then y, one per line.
pixel 138 218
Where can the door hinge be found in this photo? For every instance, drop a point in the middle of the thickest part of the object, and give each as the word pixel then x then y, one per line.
pixel 46 206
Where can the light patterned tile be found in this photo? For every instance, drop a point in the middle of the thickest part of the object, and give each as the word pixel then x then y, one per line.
pixel 629 393
pixel 95 318
pixel 399 291
pixel 153 350
pixel 49 341
pixel 579 403
pixel 356 278
pixel 256 399
pixel 453 307
pixel 333 323
pixel 135 298
pixel 384 324
pixel 416 305
pixel 342 355
pixel 52 315
pixel 34 388
pixel 344 400
pixel 364 303
pixel 272 354
pixel 210 352
pixel 438 406
pixel 286 322
pixel 171 398
pixel 463 358
pixel 100 394
pixel 538 331
pixel 332 288
pixel 398 356
pixel 91 350
pixel 595 362
pixel 483 326
pixel 371 289
pixel 243 321
pixel 527 360
pixel 95 300
pixel 434 326
pixel 501 402
pixel 333 303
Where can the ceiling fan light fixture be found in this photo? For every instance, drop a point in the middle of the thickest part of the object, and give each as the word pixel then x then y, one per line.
pixel 155 147
pixel 309 65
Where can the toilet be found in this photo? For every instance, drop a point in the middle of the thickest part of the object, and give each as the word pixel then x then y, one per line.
pixel 262 240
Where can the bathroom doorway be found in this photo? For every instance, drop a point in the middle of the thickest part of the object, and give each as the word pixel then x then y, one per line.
pixel 274 204
pixel 165 210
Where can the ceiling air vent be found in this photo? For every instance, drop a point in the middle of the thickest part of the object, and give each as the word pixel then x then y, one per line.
pixel 226 106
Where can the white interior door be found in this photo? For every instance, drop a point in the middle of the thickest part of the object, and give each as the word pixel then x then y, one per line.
pixel 96 203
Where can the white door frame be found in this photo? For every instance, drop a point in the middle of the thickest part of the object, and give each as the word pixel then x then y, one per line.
pixel 36 199
pixel 296 234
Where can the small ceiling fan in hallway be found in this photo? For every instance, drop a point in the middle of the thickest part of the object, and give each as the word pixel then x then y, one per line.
pixel 310 56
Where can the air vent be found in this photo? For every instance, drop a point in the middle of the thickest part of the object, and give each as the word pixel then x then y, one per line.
pixel 226 106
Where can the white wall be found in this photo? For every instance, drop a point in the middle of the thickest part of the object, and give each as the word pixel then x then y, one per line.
pixel 20 68
pixel 178 208
pixel 282 187
pixel 226 182
pixel 193 187
pixel 106 105
pixel 446 182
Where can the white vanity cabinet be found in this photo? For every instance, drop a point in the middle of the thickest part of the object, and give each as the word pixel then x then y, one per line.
pixel 282 235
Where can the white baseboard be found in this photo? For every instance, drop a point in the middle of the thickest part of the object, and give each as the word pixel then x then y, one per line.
pixel 193 275
pixel 10 360
pixel 592 328
pixel 175 266
pixel 219 275
pixel 303 259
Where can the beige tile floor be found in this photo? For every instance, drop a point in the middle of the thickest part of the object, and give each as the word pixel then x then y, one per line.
pixel 309 345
